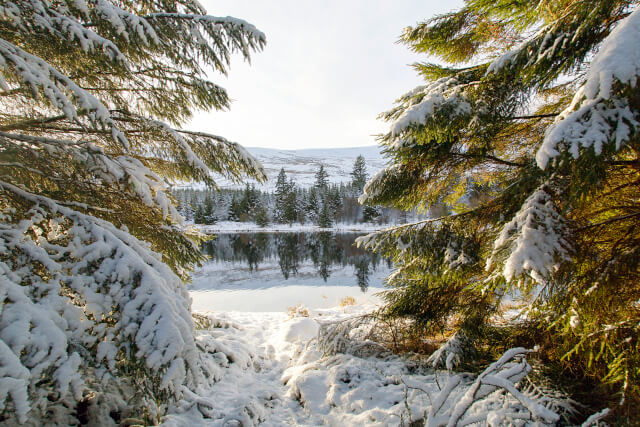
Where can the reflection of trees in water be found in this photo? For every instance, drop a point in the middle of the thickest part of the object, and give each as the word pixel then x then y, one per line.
pixel 361 265
pixel 288 249
pixel 324 250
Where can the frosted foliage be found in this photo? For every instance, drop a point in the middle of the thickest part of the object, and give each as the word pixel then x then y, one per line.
pixel 67 27
pixel 42 77
pixel 75 285
pixel 126 24
pixel 451 353
pixel 135 177
pixel 377 182
pixel 533 240
pixel 349 386
pixel 454 257
pixel 597 115
pixel 457 404
pixel 440 93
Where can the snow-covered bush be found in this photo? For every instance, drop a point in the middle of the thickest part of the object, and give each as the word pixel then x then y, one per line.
pixel 92 257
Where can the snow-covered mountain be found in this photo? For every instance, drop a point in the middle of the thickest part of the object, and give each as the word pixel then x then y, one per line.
pixel 301 165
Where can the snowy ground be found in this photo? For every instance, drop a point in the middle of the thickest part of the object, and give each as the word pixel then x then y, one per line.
pixel 272 370
pixel 231 286
pixel 232 226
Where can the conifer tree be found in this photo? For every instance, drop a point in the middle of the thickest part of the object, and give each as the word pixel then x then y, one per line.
pixel 325 217
pixel 359 174
pixel 312 207
pixel 322 179
pixel 281 194
pixel 290 213
pixel 93 258
pixel 234 209
pixel 208 211
pixel 537 109
pixel 370 213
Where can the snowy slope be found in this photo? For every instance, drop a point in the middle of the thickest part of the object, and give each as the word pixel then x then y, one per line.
pixel 301 165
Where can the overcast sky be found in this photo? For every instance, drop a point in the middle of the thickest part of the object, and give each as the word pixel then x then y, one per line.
pixel 329 68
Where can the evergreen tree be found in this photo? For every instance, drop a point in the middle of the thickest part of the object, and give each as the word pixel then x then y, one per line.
pixel 312 208
pixel 291 204
pixel 93 257
pixel 261 216
pixel 322 180
pixel 249 202
pixel 208 212
pixel 281 195
pixel 235 209
pixel 359 174
pixel 199 215
pixel 325 216
pixel 370 213
pixel 334 201
pixel 545 123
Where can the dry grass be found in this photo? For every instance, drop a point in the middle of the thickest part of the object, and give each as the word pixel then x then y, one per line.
pixel 347 301
pixel 298 311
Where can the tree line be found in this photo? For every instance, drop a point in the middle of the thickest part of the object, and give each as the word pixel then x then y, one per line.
pixel 323 204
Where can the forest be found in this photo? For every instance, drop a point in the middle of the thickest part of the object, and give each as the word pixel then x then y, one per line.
pixel 324 204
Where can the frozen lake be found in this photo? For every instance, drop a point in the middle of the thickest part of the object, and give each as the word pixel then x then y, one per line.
pixel 274 271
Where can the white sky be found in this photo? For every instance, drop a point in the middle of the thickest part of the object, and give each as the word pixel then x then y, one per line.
pixel 329 68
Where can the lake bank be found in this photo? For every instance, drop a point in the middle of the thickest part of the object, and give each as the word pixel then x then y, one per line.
pixel 241 227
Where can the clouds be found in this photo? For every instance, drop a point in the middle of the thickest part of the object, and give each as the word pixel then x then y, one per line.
pixel 328 70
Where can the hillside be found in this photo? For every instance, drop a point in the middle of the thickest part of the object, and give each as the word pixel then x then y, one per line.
pixel 301 165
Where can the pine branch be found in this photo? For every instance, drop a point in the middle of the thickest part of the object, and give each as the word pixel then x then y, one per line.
pixel 27 124
pixel 491 158
pixel 534 116
pixel 609 221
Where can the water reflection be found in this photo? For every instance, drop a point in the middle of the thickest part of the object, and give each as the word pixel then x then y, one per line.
pixel 327 252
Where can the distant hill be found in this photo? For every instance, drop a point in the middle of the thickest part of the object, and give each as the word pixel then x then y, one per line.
pixel 301 165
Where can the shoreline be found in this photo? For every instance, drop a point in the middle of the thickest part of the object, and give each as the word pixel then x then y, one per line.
pixel 249 227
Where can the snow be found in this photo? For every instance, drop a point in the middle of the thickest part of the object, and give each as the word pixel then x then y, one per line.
pixel 233 226
pixel 274 370
pixel 443 92
pixel 597 115
pixel 92 272
pixel 533 240
pixel 300 329
pixel 301 165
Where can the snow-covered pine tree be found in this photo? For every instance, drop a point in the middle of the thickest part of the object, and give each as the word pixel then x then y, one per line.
pixel 312 208
pixel 325 217
pixel 539 107
pixel 359 174
pixel 281 193
pixel 322 180
pixel 290 213
pixel 92 258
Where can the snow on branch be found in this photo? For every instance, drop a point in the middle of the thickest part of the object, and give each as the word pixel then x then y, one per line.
pixel 424 101
pixel 67 27
pixel 40 76
pixel 125 23
pixel 203 152
pixel 217 22
pixel 458 405
pixel 451 353
pixel 74 283
pixel 598 114
pixel 533 240
pixel 378 182
pixel 126 171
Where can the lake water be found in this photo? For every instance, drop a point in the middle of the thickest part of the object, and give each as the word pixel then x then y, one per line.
pixel 274 271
